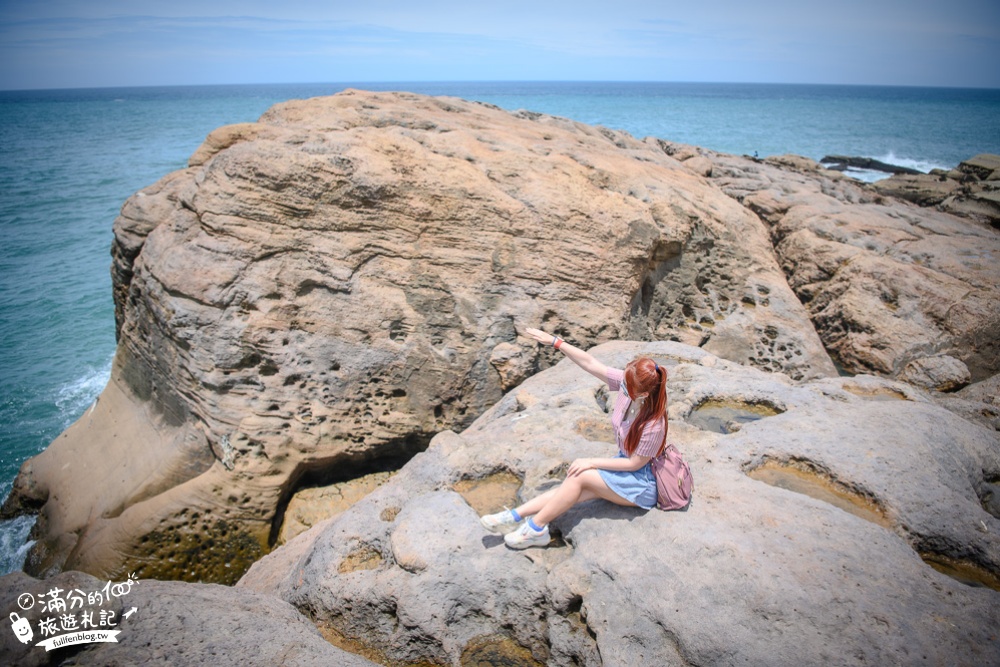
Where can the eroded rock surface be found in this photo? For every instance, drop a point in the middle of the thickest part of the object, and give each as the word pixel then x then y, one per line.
pixel 311 505
pixel 887 283
pixel 750 574
pixel 329 287
pixel 170 623
pixel 979 402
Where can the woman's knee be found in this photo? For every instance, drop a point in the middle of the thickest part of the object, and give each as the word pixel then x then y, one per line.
pixel 591 480
pixel 587 481
pixel 596 485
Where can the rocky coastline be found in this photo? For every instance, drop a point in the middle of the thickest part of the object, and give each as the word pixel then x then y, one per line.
pixel 335 291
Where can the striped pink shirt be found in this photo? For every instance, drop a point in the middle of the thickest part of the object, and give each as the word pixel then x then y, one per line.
pixel 652 433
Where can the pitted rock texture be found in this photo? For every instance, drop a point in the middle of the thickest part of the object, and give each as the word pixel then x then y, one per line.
pixel 329 287
pixel 886 283
pixel 750 574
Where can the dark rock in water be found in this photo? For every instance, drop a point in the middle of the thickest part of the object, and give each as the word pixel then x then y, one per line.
pixel 842 162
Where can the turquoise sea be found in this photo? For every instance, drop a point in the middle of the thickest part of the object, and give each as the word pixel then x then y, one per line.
pixel 70 158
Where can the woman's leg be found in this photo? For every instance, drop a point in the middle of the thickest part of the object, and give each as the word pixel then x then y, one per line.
pixel 531 507
pixel 585 486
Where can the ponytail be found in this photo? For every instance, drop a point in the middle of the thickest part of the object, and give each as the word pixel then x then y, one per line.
pixel 646 376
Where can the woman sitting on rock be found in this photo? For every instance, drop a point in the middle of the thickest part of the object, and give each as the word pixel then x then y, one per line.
pixel 639 421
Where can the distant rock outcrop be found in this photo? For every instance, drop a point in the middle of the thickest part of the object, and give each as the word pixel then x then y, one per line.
pixel 321 292
pixel 886 283
pixel 971 190
pixel 816 534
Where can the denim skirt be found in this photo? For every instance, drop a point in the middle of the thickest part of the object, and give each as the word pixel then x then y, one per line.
pixel 638 487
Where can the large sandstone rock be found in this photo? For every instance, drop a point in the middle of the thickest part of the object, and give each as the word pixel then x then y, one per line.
pixel 886 283
pixel 329 287
pixel 171 623
pixel 809 541
pixel 979 204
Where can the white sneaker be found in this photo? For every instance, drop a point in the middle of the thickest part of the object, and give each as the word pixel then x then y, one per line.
pixel 501 522
pixel 526 536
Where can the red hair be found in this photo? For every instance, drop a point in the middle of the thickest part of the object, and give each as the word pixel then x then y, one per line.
pixel 645 376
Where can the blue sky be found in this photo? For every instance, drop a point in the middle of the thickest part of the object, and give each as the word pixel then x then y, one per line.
pixel 96 43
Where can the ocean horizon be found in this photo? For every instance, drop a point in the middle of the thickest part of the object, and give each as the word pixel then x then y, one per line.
pixel 403 85
pixel 71 157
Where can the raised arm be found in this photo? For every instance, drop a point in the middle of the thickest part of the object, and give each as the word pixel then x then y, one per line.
pixel 582 359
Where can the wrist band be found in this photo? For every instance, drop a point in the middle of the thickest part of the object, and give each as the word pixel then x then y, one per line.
pixel 556 342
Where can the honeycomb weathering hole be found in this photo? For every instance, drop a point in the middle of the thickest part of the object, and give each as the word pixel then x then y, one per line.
pixel 364 558
pixel 802 477
pixel 875 394
pixel 491 493
pixel 311 505
pixel 728 416
pixel 805 478
pixel 337 638
pixel 497 650
pixel 337 470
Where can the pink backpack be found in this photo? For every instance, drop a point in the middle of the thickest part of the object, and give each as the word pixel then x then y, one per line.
pixel 673 480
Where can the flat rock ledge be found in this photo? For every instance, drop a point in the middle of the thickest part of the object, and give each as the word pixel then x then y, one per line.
pixel 838 571
pixel 173 623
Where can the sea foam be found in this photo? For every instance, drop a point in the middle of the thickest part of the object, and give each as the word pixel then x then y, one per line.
pixel 920 165
pixel 14 543
pixel 872 175
pixel 74 397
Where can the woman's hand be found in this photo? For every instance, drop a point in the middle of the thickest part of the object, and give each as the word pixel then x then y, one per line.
pixel 539 335
pixel 580 465
pixel 582 359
